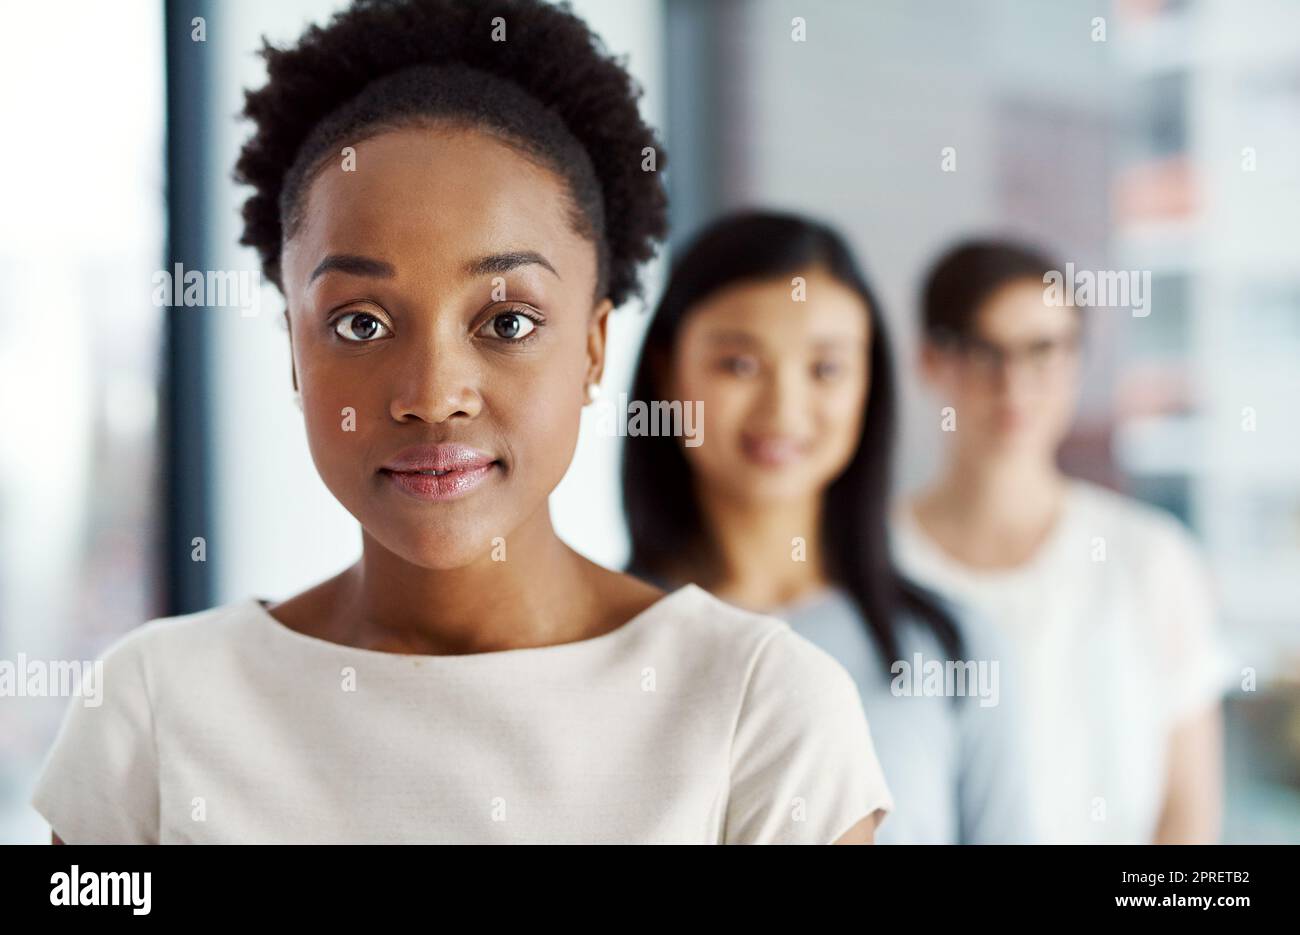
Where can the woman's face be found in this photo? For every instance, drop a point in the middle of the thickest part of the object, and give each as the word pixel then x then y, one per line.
pixel 784 385
pixel 439 295
pixel 1014 385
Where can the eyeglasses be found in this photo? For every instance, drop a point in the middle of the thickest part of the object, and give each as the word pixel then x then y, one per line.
pixel 1039 357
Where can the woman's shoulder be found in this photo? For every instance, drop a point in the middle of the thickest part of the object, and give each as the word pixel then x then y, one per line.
pixel 979 634
pixel 694 614
pixel 183 636
pixel 757 644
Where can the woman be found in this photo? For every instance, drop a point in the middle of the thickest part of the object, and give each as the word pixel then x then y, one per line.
pixel 451 219
pixel 769 323
pixel 1105 597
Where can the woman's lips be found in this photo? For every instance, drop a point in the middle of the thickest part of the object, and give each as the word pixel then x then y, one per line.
pixel 773 451
pixel 446 486
pixel 438 472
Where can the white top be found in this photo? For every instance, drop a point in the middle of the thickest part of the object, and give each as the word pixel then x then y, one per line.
pixel 694 722
pixel 1113 622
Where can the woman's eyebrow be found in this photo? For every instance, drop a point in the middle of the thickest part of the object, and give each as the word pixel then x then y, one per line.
pixel 357 265
pixel 843 342
pixel 732 337
pixel 354 264
pixel 505 262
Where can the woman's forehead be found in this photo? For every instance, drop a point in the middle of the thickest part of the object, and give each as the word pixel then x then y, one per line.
pixel 806 307
pixel 431 197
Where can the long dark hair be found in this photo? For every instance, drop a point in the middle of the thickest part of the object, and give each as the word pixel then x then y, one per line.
pixel 658 496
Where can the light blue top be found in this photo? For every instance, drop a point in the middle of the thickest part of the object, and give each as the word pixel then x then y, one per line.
pixel 956 768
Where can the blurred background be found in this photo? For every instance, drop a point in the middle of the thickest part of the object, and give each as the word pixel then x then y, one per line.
pixel 1156 135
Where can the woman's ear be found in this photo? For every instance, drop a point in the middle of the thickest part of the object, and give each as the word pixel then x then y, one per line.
pixel 596 341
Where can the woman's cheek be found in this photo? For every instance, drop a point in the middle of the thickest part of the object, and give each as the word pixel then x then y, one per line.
pixel 725 412
pixel 841 431
pixel 340 420
pixel 541 421
pixel 722 410
pixel 846 409
pixel 333 450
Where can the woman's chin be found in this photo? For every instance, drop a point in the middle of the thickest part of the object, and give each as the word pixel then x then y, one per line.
pixel 775 485
pixel 440 549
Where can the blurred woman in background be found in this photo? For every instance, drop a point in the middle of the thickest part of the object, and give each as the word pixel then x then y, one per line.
pixel 768 323
pixel 1104 597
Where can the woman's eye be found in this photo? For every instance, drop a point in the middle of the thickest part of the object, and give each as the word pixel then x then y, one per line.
pixel 360 327
pixel 510 326
pixel 825 370
pixel 740 366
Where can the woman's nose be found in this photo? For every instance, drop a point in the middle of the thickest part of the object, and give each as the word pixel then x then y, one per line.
pixel 436 381
pixel 783 401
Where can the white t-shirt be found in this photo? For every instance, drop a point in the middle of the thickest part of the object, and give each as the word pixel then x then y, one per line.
pixel 693 722
pixel 1113 621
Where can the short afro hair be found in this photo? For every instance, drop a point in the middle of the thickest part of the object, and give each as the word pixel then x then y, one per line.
pixel 551 90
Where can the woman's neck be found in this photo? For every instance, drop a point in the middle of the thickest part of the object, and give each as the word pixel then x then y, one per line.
pixel 532 591
pixel 765 554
